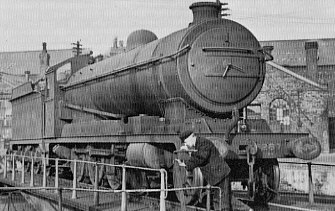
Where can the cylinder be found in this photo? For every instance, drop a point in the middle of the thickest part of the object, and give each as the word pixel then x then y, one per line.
pixel 147 155
pixel 62 152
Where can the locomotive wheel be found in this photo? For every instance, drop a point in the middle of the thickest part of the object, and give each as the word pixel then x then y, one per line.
pixel 183 179
pixel 91 169
pixel 18 161
pixel 267 178
pixel 136 179
pixel 37 162
pixel 29 154
pixel 113 175
pixel 80 165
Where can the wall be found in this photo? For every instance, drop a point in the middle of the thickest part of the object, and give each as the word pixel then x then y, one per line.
pixel 294 177
pixel 308 110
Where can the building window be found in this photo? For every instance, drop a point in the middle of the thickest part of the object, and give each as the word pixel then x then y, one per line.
pixel 280 115
pixel 254 111
pixel 280 112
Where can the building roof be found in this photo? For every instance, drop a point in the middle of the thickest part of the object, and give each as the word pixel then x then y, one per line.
pixel 292 52
pixel 115 51
pixel 297 76
pixel 7 81
pixel 16 63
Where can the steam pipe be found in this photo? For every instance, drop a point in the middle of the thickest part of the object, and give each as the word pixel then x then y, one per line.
pixel 235 119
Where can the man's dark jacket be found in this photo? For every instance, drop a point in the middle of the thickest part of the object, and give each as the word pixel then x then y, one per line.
pixel 213 166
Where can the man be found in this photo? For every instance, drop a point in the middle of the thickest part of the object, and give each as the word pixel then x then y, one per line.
pixel 214 168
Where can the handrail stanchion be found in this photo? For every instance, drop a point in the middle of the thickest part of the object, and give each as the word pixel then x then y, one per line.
pixel 13 170
pixel 162 194
pixel 124 194
pixel 208 202
pixel 310 184
pixel 13 167
pixel 32 172
pixel 220 199
pixel 5 170
pixel 44 181
pixel 22 172
pixel 74 191
pixel 59 199
pixel 56 175
pixel 96 186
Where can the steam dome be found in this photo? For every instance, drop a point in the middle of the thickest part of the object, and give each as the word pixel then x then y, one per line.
pixel 140 37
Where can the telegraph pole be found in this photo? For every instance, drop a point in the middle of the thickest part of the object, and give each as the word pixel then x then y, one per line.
pixel 77 49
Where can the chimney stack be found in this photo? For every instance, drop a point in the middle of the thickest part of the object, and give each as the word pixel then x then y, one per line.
pixel 27 75
pixel 311 48
pixel 44 59
pixel 115 43
pixel 203 11
pixel 121 43
pixel 44 44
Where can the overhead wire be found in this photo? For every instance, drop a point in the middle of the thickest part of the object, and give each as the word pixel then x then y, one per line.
pixel 288 18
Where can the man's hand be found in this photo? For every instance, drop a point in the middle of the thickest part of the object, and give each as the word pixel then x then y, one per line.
pixel 180 163
pixel 184 147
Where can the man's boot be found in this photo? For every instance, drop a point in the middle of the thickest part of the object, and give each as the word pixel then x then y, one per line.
pixel 225 196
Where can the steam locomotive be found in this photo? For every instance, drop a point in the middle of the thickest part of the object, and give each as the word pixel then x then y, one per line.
pixel 130 107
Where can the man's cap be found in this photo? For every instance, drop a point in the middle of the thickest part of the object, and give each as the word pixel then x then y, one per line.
pixel 185 134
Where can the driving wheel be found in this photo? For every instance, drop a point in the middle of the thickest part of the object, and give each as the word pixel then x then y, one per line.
pixel 184 179
pixel 91 169
pixel 267 178
pixel 80 165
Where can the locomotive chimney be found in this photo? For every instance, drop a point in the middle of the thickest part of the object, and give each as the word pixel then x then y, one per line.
pixel 203 11
pixel 311 48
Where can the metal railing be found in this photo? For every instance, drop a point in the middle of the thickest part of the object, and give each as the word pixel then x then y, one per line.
pixel 162 207
pixel 311 186
pixel 10 165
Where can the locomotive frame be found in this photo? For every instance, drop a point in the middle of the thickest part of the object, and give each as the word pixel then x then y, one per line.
pixel 80 117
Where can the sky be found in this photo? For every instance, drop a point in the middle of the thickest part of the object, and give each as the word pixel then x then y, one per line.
pixel 25 24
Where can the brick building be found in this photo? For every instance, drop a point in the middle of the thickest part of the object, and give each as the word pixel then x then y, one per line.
pixel 297 92
pixel 17 67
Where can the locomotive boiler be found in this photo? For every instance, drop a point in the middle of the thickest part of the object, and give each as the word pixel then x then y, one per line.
pixel 129 108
